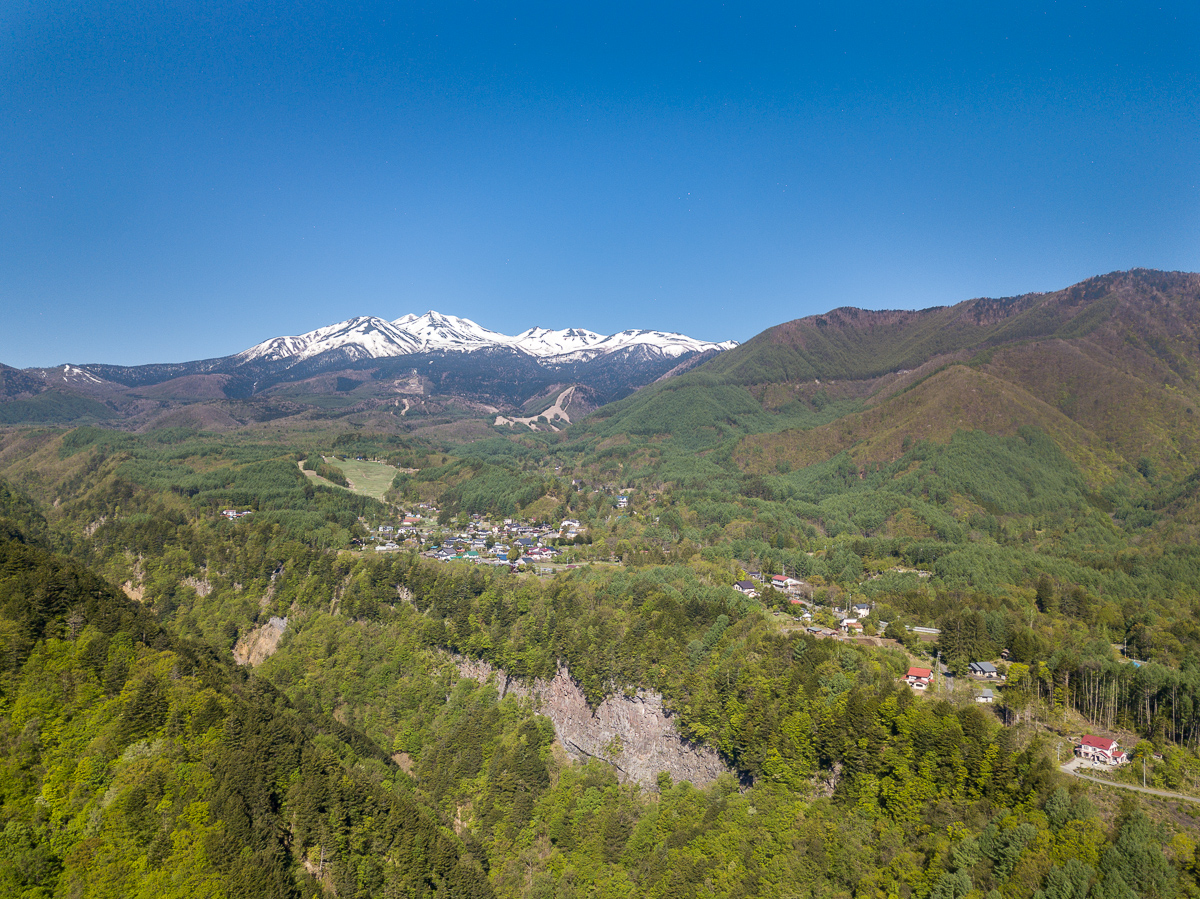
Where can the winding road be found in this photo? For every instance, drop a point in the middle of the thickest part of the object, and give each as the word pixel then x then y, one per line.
pixel 1072 768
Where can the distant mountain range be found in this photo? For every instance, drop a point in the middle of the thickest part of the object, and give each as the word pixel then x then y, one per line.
pixel 375 338
pixel 430 365
pixel 1109 368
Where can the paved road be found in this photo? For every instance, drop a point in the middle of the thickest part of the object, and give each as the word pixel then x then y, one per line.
pixel 1072 767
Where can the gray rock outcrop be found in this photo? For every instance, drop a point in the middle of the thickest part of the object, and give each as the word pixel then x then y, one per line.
pixel 260 644
pixel 634 733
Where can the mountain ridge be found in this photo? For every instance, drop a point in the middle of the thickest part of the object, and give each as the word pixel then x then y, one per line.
pixel 368 336
pixel 1111 365
pixel 430 365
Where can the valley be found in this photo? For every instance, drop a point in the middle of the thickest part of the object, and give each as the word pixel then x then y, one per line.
pixel 820 614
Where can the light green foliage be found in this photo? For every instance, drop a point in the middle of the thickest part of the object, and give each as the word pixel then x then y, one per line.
pixel 920 798
pixel 133 764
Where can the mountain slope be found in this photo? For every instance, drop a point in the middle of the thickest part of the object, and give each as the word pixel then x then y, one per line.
pixel 139 764
pixel 1110 367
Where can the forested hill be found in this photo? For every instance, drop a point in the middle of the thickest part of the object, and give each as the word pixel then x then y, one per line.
pixel 1031 501
pixel 136 764
pixel 1110 367
pixel 1157 308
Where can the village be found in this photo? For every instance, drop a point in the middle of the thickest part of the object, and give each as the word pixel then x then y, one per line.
pixel 509 542
pixel 539 548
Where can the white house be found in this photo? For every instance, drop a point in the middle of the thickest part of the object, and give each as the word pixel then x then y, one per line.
pixel 1100 749
pixel 919 678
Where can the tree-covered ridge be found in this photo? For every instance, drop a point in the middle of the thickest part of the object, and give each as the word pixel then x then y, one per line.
pixel 1108 367
pixel 924 799
pixel 858 344
pixel 1000 540
pixel 135 764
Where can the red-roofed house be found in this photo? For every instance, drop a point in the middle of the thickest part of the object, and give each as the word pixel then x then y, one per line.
pixel 918 678
pixel 1100 749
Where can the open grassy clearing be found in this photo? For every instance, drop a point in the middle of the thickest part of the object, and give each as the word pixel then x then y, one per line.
pixel 368 478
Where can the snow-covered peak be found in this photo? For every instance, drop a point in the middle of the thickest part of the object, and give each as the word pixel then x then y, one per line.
pixel 435 331
pixel 75 373
pixel 546 342
pixel 360 337
pixel 666 342
pixel 367 337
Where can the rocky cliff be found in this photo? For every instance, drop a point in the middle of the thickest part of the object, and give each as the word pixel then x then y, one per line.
pixel 634 734
pixel 260 644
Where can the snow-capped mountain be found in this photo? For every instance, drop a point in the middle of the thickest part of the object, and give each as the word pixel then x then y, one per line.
pixel 544 343
pixel 417 364
pixel 666 342
pixel 434 331
pixel 364 337
pixel 375 338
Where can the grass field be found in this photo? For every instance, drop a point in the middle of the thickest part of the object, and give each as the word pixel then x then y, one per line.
pixel 367 478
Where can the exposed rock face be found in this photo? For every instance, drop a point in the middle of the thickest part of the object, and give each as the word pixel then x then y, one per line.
pixel 200 585
pixel 632 733
pixel 260 644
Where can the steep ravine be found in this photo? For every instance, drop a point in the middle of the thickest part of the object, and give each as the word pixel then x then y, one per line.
pixel 632 733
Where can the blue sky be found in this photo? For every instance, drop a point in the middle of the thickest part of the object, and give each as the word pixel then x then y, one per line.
pixel 182 180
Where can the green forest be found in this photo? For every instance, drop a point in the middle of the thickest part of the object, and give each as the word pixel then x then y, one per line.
pixel 356 759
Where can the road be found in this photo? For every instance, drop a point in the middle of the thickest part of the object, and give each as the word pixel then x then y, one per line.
pixel 1072 767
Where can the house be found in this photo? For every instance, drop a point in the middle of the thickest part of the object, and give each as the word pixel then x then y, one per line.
pixel 622 502
pixel 984 669
pixel 861 610
pixel 747 587
pixel 985 696
pixel 852 626
pixel 918 678
pixel 1100 749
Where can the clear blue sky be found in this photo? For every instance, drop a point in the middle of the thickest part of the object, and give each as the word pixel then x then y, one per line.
pixel 181 180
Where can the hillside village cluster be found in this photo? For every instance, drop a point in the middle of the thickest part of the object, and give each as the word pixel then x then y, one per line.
pixel 510 542
pixel 518 544
pixel 515 544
